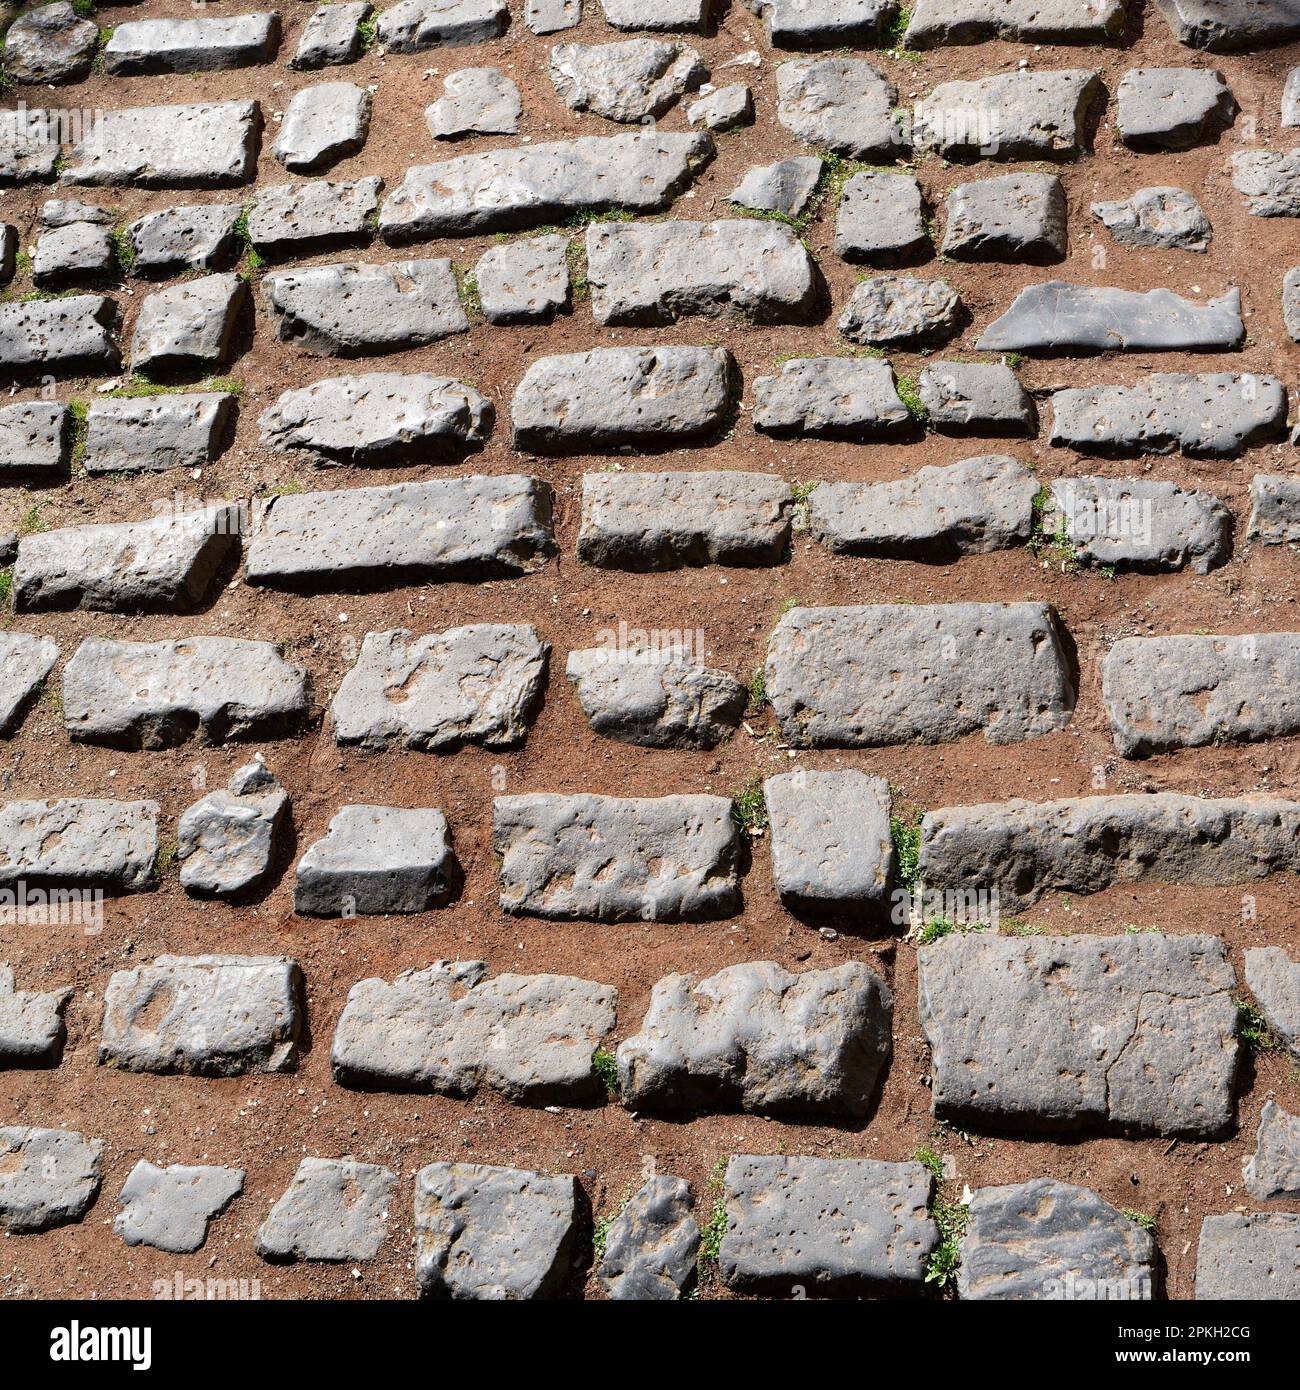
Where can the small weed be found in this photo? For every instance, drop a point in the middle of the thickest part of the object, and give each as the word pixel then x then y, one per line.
pixel 1142 1219
pixel 803 491
pixel 788 604
pixel 950 1218
pixel 467 290
pixel 748 808
pixel 123 249
pixel 31 522
pixel 758 688
pixel 1053 546
pixel 1012 359
pixel 84 9
pixel 1013 926
pixel 167 855
pixel 579 284
pixel 927 1158
pixel 368 32
pixel 935 930
pixel 907 850
pixel 253 262
pixel 909 392
pixel 6 586
pixel 600 1233
pixel 713 1230
pixel 587 216
pixel 605 1067
pixel 80 413
pixel 1253 1029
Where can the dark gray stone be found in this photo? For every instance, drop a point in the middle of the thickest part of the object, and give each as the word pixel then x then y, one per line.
pixel 1223 26
pixel 881 219
pixel 1167 218
pixel 79 842
pixel 149 434
pixel 1273 1170
pixel 629 81
pixel 1274 980
pixel 1014 217
pixel 551 16
pixel 897 309
pixel 1145 525
pixel 830 397
pixel 78 251
pixel 1172 108
pixel 651 1245
pixel 1014 115
pixel 475 101
pixel 1275 509
pixel 48 1177
pixel 191 45
pixel 226 842
pixel 335 1209
pixel 32 1031
pixel 296 218
pixel 786 187
pixel 1291 303
pixel 170 1208
pixel 936 22
pixel 25 661
pixel 1270 181
pixel 50 43
pixel 188 326
pixel 844 105
pixel 185 238
pixel 524 281
pixel 824 23
pixel 8 251
pixel 1248 1255
pixel 29 144
pixel 199 145
pixel 65 212
pixel 975 398
pixel 331 36
pixel 656 14
pixel 74 334
pixel 416 25
pixel 34 438
pixel 723 109
pixel 1291 99
pixel 323 124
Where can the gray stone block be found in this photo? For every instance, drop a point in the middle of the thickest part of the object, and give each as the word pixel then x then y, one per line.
pixel 189 326
pixel 25 661
pixel 69 335
pixel 48 1177
pixel 524 281
pixel 29 145
pixel 1145 526
pixel 1014 217
pixel 897 309
pixel 1269 180
pixel 475 101
pixel 1273 1170
pixel 32 1030
pixel 226 842
pixel 1291 99
pixel 723 109
pixel 34 438
pixel 936 22
pixel 323 124
pixel 79 842
pixel 416 25
pixel 295 218
pixel 651 1245
pixel 73 253
pixel 656 14
pixel 335 1209
pixel 199 145
pixel 830 397
pixel 185 238
pixel 786 187
pixel 975 398
pixel 1013 115
pixel 1172 108
pixel 1167 218
pixel 150 434
pixel 1223 26
pixel 551 16
pixel 331 36
pixel 171 1208
pixel 629 81
pixel 1274 510
pixel 824 23
pixel 844 105
pixel 50 43
pixel 1274 980
pixel 1248 1255
pixel 1291 303
pixel 191 45
pixel 881 219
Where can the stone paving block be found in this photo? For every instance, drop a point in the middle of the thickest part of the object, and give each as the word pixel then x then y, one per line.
pixel 1269 180
pixel 837 1226
pixel 335 1209
pixel 150 434
pixel 32 1031
pixel 227 841
pixel 975 398
pixel 493 1233
pixel 1172 108
pixel 8 251
pixel 63 212
pixel 1167 218
pixel 191 45
pixel 1274 980
pixel 190 326
pixel 786 187
pixel 1224 28
pixel 831 398
pixel 185 238
pixel 617 859
pixel 525 281
pixel 69 335
pixel 1133 1034
pixel 25 661
pixel 79 842
pixel 1013 115
pixel 824 23
pixel 451 1031
pixel 48 1177
pixel 29 144
pixel 1145 525
pixel 897 310
pixel 843 105
pixel 331 36
pixel 171 1208
pixel 198 145
pixel 1291 99
pixel 551 16
pixel 1291 303
pixel 203 1016
pixel 723 109
pixel 651 1246
pixel 76 252
pixel 629 81
pixel 416 25
pixel 50 43
pixel 856 677
pixel 295 218
pixel 881 219
pixel 935 22
pixel 1249 1255
pixel 453 529
pixel 475 101
pixel 34 438
pixel 656 14
pixel 322 125
pixel 1014 217
pixel 1273 1170
pixel 1275 509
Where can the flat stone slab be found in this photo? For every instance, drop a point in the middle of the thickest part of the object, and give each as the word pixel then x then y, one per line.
pixel 291 218
pixel 786 187
pixel 150 434
pixel 1025 849
pixel 1291 99
pixel 451 1031
pixel 1167 218
pixel 416 25
pixel 1291 303
pixel 651 273
pixel 1269 180
pixel 198 237
pixel 552 16
pixel 844 105
pixel 59 335
pixel 473 527
pixel 25 661
pixel 1144 526
pixel 1273 1170
pixel 972 507
pixel 1223 26
pixel 162 565
pixel 32 1031
pixel 838 1226
pixel 160 694
pixel 493 1233
pixel 48 1177
pixel 351 310
pixel 1058 319
pixel 378 418
pixel 331 36
pixel 191 45
pixel 652 14
pixel 475 684
pixel 1249 1256
pixel 79 842
pixel 1275 509
pixel 323 124
pixel 1048 1240
pixel 1014 115
pixel 856 677
pixel 1172 108
pixel 226 842
pixel 830 398
pixel 335 1209
pixel 651 1246
pixel 936 22
pixel 526 281
pixel 198 145
pixel 897 310
pixel 475 101
pixel 1274 980
pixel 628 81
pixel 725 108
pixel 1013 217
pixel 617 859
pixel 203 1016
pixel 1135 1034
pixel 73 253
pixel 623 395
pixel 975 398
pixel 29 144
pixel 501 190
pixel 189 326
pixel 655 698
pixel 881 219
pixel 51 43
pixel 171 1208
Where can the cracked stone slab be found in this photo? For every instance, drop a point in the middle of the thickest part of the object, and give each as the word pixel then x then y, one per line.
pixel 824 23
pixel 898 309
pixel 199 237
pixel 786 187
pixel 475 101
pixel 293 218
pixel 196 145
pixel 933 23
pixel 416 25
pixel 1249 1256
pixel 503 190
pixel 1058 320
pixel 663 521
pixel 652 1245
pixel 203 1016
pixel 1273 1170
pixel 450 1031
pixel 551 16
pixel 881 219
pixel 73 334
pixel 331 36
pixel 351 310
pixel 1275 509
pixel 1025 849
pixel 1269 180
pixel 323 124
pixel 656 14
pixel 1014 217
pixel 48 1177
pixel 656 698
pixel 74 252
pixel 652 273
pixel 723 109
pixel 189 326
pixel 162 565
pixel 475 684
pixel 838 1226
pixel 1167 218
pixel 975 398
pixel 830 398
pixel 525 281
pixel 617 859
pixel 1045 1239
pixel 25 661
pixel 143 46
pixel 79 842
pixel 1134 1034
pixel 1224 26
pixel 843 105
pixel 34 438
pixel 151 434
pixel 473 527
pixel 51 43
pixel 493 1233
pixel 334 1209
pixel 628 81
pixel 857 677
pixel 171 1208
pixel 32 1031
pixel 160 694
pixel 1172 108
pixel 1014 115
pixel 1274 980
pixel 226 842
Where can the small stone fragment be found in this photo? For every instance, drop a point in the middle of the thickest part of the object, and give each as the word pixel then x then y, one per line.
pixel 524 281
pixel 881 219
pixel 628 81
pixel 32 1031
pixel 786 187
pixel 475 101
pixel 1168 218
pixel 975 398
pixel 171 1208
pixel 335 1209
pixel 651 1246
pixel 1172 108
pixel 1274 980
pixel 1015 217
pixel 48 1177
pixel 890 309
pixel 226 842
pixel 1273 1170
pixel 723 109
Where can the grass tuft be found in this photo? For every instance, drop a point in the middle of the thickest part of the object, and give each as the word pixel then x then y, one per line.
pixel 605 1066
pixel 748 808
pixel 907 850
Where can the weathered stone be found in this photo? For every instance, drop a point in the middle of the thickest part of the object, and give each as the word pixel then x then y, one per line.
pixel 550 16
pixel 65 212
pixel 656 698
pixel 881 219
pixel 50 43
pixel 1274 980
pixel 1291 303
pixel 331 36
pixel 449 1030
pixel 786 187
pixel 8 547
pixel 1222 26
pixel 839 1226
pixel 898 309
pixel 1025 849
pixel 524 281
pixel 153 433
pixel 8 251
pixel 492 1233
pixel 1273 1170
pixel 188 326
pixel 351 310
pixel 1248 1255
pixel 624 395
pixel 322 125
pixel 185 238
pixel 655 14
pixel 415 25
pixel 34 437
pixel 830 397
pixel 78 251
pixel 475 101
pixel 1275 509
pixel 661 521
pixel 170 1208
pixel 294 218
pixel 79 842
pixel 191 45
pixel 857 677
pixel 32 1031
pixel 1291 99
pixel 530 186
pixel 456 528
pixel 1014 217
pixel 1135 1034
pixel 226 842
pixel 335 1209
pixel 1014 115
pixel 48 1177
pixel 936 22
pixel 651 1245
pixel 29 144
pixel 1270 181
pixel 158 566
pixel 1167 218
pixel 203 1016
pixel 200 145
pixel 1144 525
pixel 1051 1240
pixel 58 335
pixel 844 105
pixel 975 398
pixel 1172 108
pixel 627 81
pixel 723 109
pixel 25 661
pixel 617 859
pixel 823 23
pixel 1058 319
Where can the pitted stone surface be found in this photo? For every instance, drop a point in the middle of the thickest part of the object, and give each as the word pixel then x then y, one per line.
pixel 881 219
pixel 1172 108
pixel 651 1246
pixel 154 433
pixel 184 238
pixel 299 217
pixel 322 125
pixel 1014 115
pixel 723 109
pixel 897 309
pixel 855 677
pixel 203 145
pixel 525 281
pixel 786 187
pixel 74 252
pixel 830 397
pixel 335 1209
pixel 823 23
pixel 1269 180
pixel 665 15
pixel 171 1208
pixel 551 16
pixel 1249 1256
pixel 8 251
pixel 1273 1170
pixel 844 105
pixel 58 335
pixel 975 398
pixel 34 438
pixel 29 144
pixel 1014 217
pixel 188 326
pixel 475 101
pixel 1291 303
pixel 451 1031
pixel 226 842
pixel 839 1226
pixel 25 661
pixel 331 36
pixel 50 43
pixel 936 22
pixel 1223 26
pixel 1167 218
pixel 203 1016
pixel 1274 980
pixel 48 1177
pixel 1275 509
pixel 191 45
pixel 415 25
pixel 617 859
pixel 32 1031
pixel 79 842
pixel 626 81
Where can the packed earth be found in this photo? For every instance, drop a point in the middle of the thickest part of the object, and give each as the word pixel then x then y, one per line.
pixel 650 650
